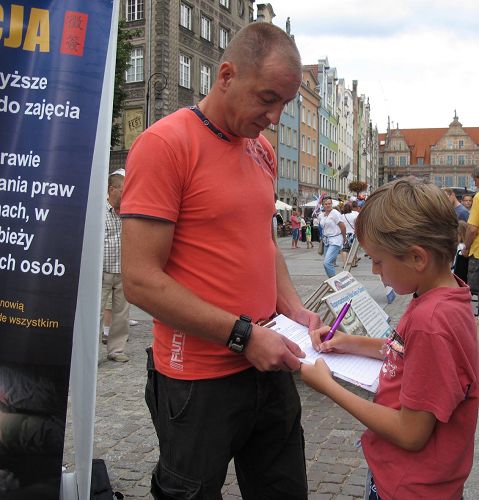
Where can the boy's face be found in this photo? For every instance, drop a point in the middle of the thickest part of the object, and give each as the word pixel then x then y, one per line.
pixel 467 201
pixel 394 272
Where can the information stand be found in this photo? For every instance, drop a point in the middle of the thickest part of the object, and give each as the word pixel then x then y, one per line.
pixel 366 316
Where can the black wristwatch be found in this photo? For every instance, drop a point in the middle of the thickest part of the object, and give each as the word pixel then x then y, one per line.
pixel 240 334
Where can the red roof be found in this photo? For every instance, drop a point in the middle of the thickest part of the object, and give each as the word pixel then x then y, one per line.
pixel 420 140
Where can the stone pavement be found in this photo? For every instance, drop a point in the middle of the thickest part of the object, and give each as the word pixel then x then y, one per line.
pixel 126 440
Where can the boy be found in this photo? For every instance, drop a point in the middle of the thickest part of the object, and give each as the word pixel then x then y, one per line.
pixel 420 437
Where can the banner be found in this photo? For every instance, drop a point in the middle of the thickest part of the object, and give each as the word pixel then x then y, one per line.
pixel 52 63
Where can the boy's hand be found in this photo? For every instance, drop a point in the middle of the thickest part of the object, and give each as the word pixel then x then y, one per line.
pixel 339 342
pixel 317 376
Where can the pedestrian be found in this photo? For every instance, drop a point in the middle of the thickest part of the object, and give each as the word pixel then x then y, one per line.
pixel 309 243
pixel 467 201
pixel 349 219
pixel 420 437
pixel 460 263
pixel 220 385
pixel 295 227
pixel 112 284
pixel 461 211
pixel 334 234
pixel 471 244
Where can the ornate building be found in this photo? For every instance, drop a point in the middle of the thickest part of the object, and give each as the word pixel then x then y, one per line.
pixel 444 156
pixel 175 57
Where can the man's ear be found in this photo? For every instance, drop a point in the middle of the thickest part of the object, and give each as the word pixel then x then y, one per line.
pixel 226 73
pixel 419 257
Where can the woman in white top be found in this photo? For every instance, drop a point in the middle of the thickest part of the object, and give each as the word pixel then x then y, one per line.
pixel 334 234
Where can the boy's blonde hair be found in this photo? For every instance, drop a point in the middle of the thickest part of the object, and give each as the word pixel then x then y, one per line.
pixel 409 212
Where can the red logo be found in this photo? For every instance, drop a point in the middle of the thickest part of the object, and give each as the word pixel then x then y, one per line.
pixel 74 33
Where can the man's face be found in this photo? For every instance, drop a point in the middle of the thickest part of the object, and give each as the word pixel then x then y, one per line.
pixel 467 201
pixel 256 99
pixel 114 194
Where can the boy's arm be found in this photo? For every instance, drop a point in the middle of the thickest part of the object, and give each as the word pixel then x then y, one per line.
pixel 350 344
pixel 408 429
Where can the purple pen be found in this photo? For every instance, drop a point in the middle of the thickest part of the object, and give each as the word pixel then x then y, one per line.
pixel 338 320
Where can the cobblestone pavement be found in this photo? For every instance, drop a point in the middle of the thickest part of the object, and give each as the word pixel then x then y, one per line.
pixel 126 440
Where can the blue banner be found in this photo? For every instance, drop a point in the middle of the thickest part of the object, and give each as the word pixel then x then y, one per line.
pixel 52 63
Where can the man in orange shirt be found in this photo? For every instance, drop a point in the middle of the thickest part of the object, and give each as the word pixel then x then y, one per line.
pixel 219 384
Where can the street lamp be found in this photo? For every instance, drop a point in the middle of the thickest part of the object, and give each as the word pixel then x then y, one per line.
pixel 159 86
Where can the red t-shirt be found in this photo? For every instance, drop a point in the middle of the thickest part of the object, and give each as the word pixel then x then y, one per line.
pixel 219 192
pixel 295 222
pixel 431 366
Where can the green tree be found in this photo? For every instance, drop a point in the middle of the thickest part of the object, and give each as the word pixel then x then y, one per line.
pixel 123 53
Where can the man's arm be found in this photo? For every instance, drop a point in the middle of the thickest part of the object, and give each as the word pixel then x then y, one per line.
pixel 288 301
pixel 146 246
pixel 471 234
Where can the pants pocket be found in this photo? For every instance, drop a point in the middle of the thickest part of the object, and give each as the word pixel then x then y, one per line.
pixel 168 485
pixel 151 389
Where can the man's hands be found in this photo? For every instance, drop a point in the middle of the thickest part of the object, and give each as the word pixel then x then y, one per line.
pixel 268 350
pixel 307 318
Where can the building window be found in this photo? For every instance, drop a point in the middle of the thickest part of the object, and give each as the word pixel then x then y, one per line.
pixel 314 147
pixel 449 159
pixel 303 173
pixel 134 10
pixel 314 121
pixel 302 114
pixel 281 134
pixel 438 180
pixel 391 161
pixel 448 181
pixel 281 167
pixel 402 161
pixel 420 161
pixel 288 137
pixel 309 145
pixel 205 76
pixel 461 160
pixel 185 16
pixel 462 180
pixel 288 169
pixel 185 71
pixel 206 28
pixel 303 143
pixel 225 3
pixel 461 144
pixel 292 105
pixel 224 38
pixel 295 170
pixel 309 175
pixel 309 117
pixel 135 72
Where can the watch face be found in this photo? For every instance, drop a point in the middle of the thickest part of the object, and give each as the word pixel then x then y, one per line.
pixel 241 7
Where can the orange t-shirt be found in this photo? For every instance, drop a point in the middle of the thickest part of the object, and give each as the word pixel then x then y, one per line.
pixel 219 192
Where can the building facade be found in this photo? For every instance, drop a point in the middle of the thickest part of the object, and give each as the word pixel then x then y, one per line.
pixel 176 51
pixel 309 137
pixel 287 154
pixel 444 156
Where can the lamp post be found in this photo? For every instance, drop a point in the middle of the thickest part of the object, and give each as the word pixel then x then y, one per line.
pixel 159 86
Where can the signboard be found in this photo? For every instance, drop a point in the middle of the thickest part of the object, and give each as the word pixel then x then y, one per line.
pixel 52 64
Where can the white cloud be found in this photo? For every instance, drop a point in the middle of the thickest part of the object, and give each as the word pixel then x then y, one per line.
pixel 415 60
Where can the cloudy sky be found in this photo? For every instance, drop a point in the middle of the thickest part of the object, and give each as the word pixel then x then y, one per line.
pixel 416 60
